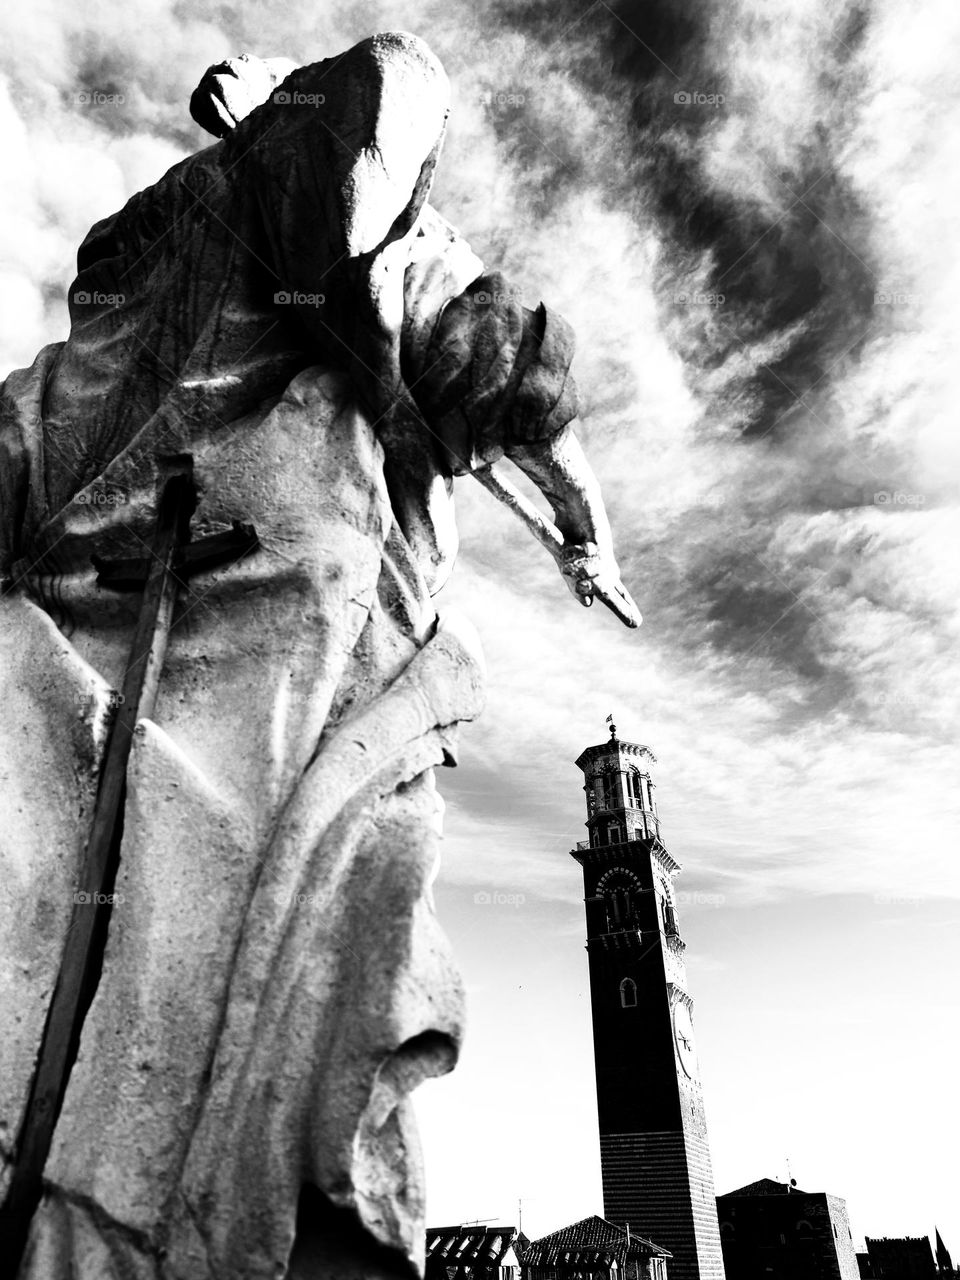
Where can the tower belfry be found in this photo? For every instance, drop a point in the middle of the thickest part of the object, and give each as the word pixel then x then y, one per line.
pixel 654 1155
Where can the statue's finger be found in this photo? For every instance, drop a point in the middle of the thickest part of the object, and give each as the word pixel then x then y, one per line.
pixel 618 601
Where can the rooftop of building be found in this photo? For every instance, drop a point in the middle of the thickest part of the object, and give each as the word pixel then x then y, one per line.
pixel 898 1239
pixel 768 1187
pixel 591 1240
pixel 472 1244
pixel 907 1255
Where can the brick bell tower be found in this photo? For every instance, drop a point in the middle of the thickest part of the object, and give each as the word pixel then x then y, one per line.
pixel 654 1155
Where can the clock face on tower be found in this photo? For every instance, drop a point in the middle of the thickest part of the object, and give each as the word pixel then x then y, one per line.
pixel 683 1034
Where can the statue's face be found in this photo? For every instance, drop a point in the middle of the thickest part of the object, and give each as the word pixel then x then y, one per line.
pixel 230 90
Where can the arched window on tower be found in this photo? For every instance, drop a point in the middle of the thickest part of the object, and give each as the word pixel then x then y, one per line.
pixel 612 794
pixel 667 913
pixel 628 994
pixel 669 917
pixel 634 785
pixel 619 893
pixel 618 909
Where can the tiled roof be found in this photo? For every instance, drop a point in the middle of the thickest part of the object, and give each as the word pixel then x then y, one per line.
pixel 766 1187
pixel 466 1246
pixel 591 1240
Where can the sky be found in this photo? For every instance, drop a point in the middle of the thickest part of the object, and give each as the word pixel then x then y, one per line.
pixel 747 210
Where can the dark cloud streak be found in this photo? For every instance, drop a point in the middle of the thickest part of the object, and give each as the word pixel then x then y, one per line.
pixel 798 272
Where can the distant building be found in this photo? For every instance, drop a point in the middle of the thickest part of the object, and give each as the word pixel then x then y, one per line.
pixel 772 1231
pixel 594 1249
pixel 866 1269
pixel 473 1253
pixel 901 1258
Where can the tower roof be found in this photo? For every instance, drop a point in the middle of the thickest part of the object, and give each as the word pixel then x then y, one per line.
pixel 613 746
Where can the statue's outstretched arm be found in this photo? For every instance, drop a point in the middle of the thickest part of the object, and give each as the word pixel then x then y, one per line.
pixel 581 543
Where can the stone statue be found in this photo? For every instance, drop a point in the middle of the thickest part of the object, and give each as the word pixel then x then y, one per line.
pixel 284 324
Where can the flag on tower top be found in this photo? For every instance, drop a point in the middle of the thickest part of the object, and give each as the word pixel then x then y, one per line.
pixel 609 719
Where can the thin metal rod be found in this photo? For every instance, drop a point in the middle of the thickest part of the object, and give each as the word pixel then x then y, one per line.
pixel 86 937
pixel 542 529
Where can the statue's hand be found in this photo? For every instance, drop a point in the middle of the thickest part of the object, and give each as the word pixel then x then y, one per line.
pixel 580 541
pixel 589 573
